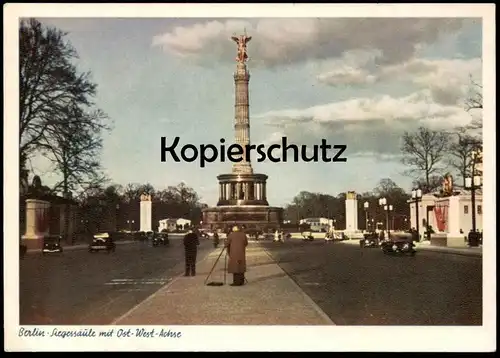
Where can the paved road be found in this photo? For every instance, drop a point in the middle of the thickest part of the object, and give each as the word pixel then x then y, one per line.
pixel 77 287
pixel 357 286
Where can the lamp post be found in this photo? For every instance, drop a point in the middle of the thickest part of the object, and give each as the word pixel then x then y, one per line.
pixel 130 222
pixel 416 195
pixel 473 184
pixel 382 202
pixel 117 217
pixel 366 206
pixel 388 209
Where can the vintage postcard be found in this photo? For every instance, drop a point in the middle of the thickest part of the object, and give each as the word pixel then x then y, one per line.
pixel 249 177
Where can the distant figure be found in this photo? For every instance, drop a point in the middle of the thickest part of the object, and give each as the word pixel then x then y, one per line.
pixel 276 236
pixel 414 235
pixel 236 244
pixel 191 242
pixel 216 239
pixel 381 235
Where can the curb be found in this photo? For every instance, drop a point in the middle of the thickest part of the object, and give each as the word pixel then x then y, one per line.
pixel 313 304
pixel 444 250
pixel 447 251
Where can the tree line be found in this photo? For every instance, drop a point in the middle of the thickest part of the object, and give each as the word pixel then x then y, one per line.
pixel 314 205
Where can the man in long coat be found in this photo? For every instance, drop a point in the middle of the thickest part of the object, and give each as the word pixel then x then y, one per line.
pixel 191 243
pixel 236 244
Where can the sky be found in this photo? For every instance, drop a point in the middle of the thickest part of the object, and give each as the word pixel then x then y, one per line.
pixel 359 82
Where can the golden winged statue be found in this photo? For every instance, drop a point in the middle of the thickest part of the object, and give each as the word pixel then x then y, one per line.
pixel 242 41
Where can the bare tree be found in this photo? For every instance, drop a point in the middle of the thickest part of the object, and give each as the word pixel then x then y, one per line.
pixel 48 82
pixel 460 152
pixel 434 183
pixel 474 102
pixel 424 151
pixel 132 192
pixel 73 142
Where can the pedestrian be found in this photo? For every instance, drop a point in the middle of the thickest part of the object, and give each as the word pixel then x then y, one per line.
pixel 236 244
pixel 191 242
pixel 216 239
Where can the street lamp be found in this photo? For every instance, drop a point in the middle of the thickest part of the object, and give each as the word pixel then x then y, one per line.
pixel 473 184
pixel 382 202
pixel 416 196
pixel 117 217
pixel 130 222
pixel 366 205
pixel 388 209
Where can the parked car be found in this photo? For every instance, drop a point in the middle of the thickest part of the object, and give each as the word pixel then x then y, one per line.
pixel 400 246
pixel 369 240
pixel 160 239
pixel 102 242
pixel 51 244
pixel 140 236
pixel 307 236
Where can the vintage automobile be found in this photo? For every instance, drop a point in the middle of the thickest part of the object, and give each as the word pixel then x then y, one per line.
pixel 51 244
pixel 102 242
pixel 140 236
pixel 160 239
pixel 307 236
pixel 397 245
pixel 370 239
pixel 22 250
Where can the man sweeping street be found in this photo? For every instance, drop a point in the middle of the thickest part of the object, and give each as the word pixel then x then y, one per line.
pixel 236 244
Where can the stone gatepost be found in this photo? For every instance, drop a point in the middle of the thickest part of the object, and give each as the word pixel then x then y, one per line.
pixel 37 223
pixel 146 211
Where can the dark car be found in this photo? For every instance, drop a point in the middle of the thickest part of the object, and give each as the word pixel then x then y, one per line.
pixel 369 240
pixel 140 236
pixel 22 250
pixel 398 245
pixel 102 242
pixel 307 236
pixel 160 238
pixel 51 244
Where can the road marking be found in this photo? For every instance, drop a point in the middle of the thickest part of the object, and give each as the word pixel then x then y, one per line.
pixel 151 297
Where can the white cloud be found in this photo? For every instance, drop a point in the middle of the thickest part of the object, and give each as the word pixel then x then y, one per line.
pixel 447 79
pixel 281 41
pixel 366 125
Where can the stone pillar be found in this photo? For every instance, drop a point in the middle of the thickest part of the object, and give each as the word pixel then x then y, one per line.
pixel 454 216
pixel 351 212
pixel 146 215
pixel 228 191
pixel 241 115
pixel 237 191
pixel 264 194
pixel 37 223
pixel 247 191
pixel 233 191
pixel 256 191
